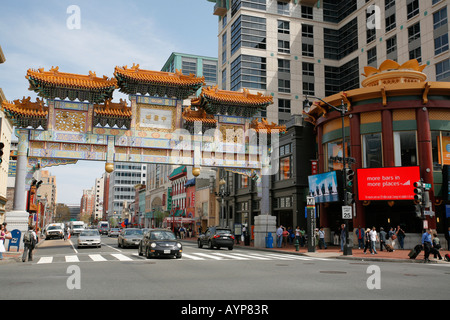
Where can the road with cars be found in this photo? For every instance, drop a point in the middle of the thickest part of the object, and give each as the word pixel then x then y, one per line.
pixel 60 270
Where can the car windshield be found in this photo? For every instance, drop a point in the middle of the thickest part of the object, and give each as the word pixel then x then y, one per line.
pixel 89 233
pixel 53 228
pixel 77 227
pixel 162 235
pixel 223 231
pixel 115 229
pixel 133 232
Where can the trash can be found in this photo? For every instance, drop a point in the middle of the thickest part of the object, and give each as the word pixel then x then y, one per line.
pixel 269 240
pixel 247 239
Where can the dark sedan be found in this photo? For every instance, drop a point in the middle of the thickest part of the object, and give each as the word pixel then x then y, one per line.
pixel 216 237
pixel 160 243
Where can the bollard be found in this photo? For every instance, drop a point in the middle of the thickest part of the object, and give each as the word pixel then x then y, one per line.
pixel 296 244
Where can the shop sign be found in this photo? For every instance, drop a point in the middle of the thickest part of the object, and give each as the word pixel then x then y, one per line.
pixel 393 183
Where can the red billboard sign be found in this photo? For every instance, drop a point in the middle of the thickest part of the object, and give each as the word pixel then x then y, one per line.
pixel 396 183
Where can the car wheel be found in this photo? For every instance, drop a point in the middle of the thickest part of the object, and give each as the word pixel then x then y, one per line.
pixel 230 248
pixel 210 245
pixel 199 243
pixel 178 256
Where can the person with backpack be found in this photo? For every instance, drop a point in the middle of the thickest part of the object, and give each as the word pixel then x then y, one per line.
pixel 436 246
pixel 29 240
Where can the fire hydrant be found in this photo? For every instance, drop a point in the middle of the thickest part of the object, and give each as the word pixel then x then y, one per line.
pixel 297 245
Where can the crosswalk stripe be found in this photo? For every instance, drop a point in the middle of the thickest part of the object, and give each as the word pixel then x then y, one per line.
pixel 208 256
pixel 253 256
pixel 97 257
pixel 185 255
pixel 45 260
pixel 288 257
pixel 230 256
pixel 121 257
pixel 281 257
pixel 72 259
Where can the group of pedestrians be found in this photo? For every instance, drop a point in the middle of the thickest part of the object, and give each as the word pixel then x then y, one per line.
pixel 289 235
pixel 369 238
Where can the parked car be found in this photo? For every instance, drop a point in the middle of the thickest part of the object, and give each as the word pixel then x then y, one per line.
pixel 89 238
pixel 130 237
pixel 113 232
pixel 216 237
pixel 159 243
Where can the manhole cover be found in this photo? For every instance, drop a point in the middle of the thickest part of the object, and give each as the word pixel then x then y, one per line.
pixel 282 265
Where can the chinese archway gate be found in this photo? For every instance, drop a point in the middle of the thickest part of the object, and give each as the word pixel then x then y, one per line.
pixel 74 119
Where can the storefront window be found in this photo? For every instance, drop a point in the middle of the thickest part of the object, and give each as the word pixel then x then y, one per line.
pixel 285 168
pixel 440 141
pixel 405 148
pixel 372 151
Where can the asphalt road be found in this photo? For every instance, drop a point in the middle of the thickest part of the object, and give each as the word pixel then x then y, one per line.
pixel 60 271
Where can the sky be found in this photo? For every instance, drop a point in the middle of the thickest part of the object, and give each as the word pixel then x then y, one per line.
pixel 41 34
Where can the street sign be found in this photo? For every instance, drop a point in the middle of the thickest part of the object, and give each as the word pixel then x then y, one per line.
pixel 310 202
pixel 347 212
pixel 427 186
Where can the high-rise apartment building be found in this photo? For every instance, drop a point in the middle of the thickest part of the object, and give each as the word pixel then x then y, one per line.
pixel 293 48
pixel 121 185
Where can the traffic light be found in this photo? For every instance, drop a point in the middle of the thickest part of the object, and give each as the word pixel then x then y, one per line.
pixel 349 175
pixel 350 199
pixel 2 145
pixel 418 191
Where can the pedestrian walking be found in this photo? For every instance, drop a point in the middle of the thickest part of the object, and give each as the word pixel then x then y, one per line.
pixel 401 236
pixel 322 238
pixel 393 237
pixel 367 244
pixel 373 240
pixel 285 237
pixel 436 246
pixel 297 234
pixel 343 237
pixel 427 244
pixel 382 239
pixel 360 236
pixel 302 237
pixel 2 241
pixel 336 236
pixel 29 240
pixel 279 236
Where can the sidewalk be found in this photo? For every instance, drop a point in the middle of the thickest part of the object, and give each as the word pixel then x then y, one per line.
pixel 333 252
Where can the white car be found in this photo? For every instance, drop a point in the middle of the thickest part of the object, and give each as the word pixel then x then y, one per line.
pixel 89 238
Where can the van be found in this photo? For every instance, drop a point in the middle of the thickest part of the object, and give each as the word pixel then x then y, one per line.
pixel 103 227
pixel 54 230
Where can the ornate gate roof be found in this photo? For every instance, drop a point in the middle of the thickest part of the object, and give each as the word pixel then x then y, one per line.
pixel 138 81
pixel 54 84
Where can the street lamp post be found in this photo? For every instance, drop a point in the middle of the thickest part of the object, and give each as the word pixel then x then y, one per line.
pixel 222 194
pixel 342 110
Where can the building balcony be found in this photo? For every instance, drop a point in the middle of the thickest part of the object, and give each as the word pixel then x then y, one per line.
pixel 220 9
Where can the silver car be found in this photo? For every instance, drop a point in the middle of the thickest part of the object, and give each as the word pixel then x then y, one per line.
pixel 89 238
pixel 130 237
